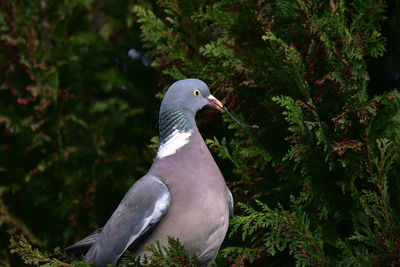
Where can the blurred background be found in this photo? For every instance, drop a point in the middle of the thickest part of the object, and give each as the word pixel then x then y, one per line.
pixel 77 113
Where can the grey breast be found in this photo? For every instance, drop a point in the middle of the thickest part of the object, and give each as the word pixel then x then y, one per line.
pixel 199 213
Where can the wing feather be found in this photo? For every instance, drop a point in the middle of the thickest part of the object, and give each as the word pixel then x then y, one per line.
pixel 84 245
pixel 230 203
pixel 139 211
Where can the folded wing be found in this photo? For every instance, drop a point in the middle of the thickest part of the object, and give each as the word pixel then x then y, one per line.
pixel 82 247
pixel 139 211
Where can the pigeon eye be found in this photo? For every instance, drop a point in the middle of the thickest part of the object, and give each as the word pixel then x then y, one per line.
pixel 196 92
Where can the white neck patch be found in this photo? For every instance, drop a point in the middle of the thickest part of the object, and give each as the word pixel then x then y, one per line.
pixel 177 140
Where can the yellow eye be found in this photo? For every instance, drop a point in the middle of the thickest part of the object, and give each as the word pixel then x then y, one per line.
pixel 196 92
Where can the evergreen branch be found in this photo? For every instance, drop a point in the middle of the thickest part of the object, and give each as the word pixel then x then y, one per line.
pixel 32 256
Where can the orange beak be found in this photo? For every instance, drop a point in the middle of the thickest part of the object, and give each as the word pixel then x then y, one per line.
pixel 215 102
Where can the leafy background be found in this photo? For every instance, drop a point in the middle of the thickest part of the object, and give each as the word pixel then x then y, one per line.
pixel 316 185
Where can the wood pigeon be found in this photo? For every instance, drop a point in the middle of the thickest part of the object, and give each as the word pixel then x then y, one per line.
pixel 183 195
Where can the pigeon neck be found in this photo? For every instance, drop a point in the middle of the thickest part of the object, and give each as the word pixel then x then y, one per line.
pixel 172 120
pixel 175 129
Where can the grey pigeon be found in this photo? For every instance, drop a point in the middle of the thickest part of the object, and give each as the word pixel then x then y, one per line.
pixel 183 195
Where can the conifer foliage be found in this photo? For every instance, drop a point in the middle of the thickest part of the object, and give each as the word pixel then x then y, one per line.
pixel 316 182
pixel 73 118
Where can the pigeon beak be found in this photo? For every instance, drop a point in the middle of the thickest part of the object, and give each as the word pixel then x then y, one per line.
pixel 214 102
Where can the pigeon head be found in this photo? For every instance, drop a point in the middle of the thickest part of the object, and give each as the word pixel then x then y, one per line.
pixel 177 114
pixel 189 96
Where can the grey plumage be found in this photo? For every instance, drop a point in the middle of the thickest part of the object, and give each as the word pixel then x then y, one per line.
pixel 183 195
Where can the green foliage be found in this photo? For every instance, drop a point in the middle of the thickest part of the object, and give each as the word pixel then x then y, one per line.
pixel 75 117
pixel 34 257
pixel 375 238
pixel 318 168
pixel 280 229
pixel 172 255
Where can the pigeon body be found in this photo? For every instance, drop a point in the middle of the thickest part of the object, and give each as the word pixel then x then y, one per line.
pixel 199 211
pixel 183 195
